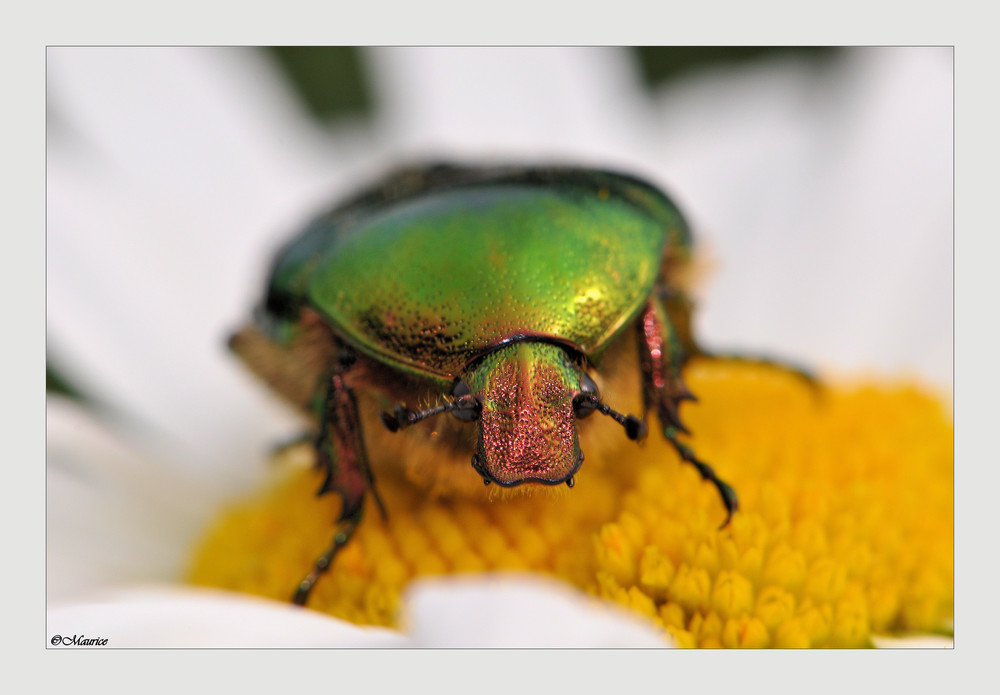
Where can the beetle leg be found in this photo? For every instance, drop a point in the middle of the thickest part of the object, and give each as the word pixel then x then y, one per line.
pixel 661 356
pixel 679 307
pixel 726 492
pixel 340 452
pixel 322 564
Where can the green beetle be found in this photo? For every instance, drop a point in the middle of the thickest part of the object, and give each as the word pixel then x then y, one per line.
pixel 494 295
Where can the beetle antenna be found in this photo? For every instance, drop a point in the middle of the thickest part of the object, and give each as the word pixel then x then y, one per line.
pixel 404 417
pixel 635 429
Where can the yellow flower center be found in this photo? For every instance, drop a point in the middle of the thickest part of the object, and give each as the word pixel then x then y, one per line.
pixel 845 526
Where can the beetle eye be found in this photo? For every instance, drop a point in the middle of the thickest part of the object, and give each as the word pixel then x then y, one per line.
pixel 460 389
pixel 586 401
pixel 467 407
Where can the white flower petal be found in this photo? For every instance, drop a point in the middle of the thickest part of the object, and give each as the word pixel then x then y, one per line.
pixel 167 617
pixel 469 612
pixel 914 642
pixel 510 611
pixel 172 174
pixel 113 514
pixel 530 104
pixel 194 124
pixel 825 199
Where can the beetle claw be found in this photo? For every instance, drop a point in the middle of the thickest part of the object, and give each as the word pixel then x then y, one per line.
pixel 726 492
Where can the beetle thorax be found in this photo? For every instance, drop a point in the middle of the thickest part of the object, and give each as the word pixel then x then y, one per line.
pixel 527 426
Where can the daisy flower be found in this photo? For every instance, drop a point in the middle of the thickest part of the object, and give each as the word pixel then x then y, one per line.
pixel 822 196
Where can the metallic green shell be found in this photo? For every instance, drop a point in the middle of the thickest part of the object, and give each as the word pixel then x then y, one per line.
pixel 429 279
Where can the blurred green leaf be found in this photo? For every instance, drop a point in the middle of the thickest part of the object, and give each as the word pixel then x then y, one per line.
pixel 662 63
pixel 57 383
pixel 329 79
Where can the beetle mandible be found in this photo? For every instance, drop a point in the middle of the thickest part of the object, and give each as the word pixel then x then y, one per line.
pixel 492 295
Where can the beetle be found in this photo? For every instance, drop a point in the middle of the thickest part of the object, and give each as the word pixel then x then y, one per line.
pixel 494 295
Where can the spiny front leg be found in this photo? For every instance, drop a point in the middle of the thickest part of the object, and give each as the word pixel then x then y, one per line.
pixel 726 492
pixel 661 356
pixel 340 452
